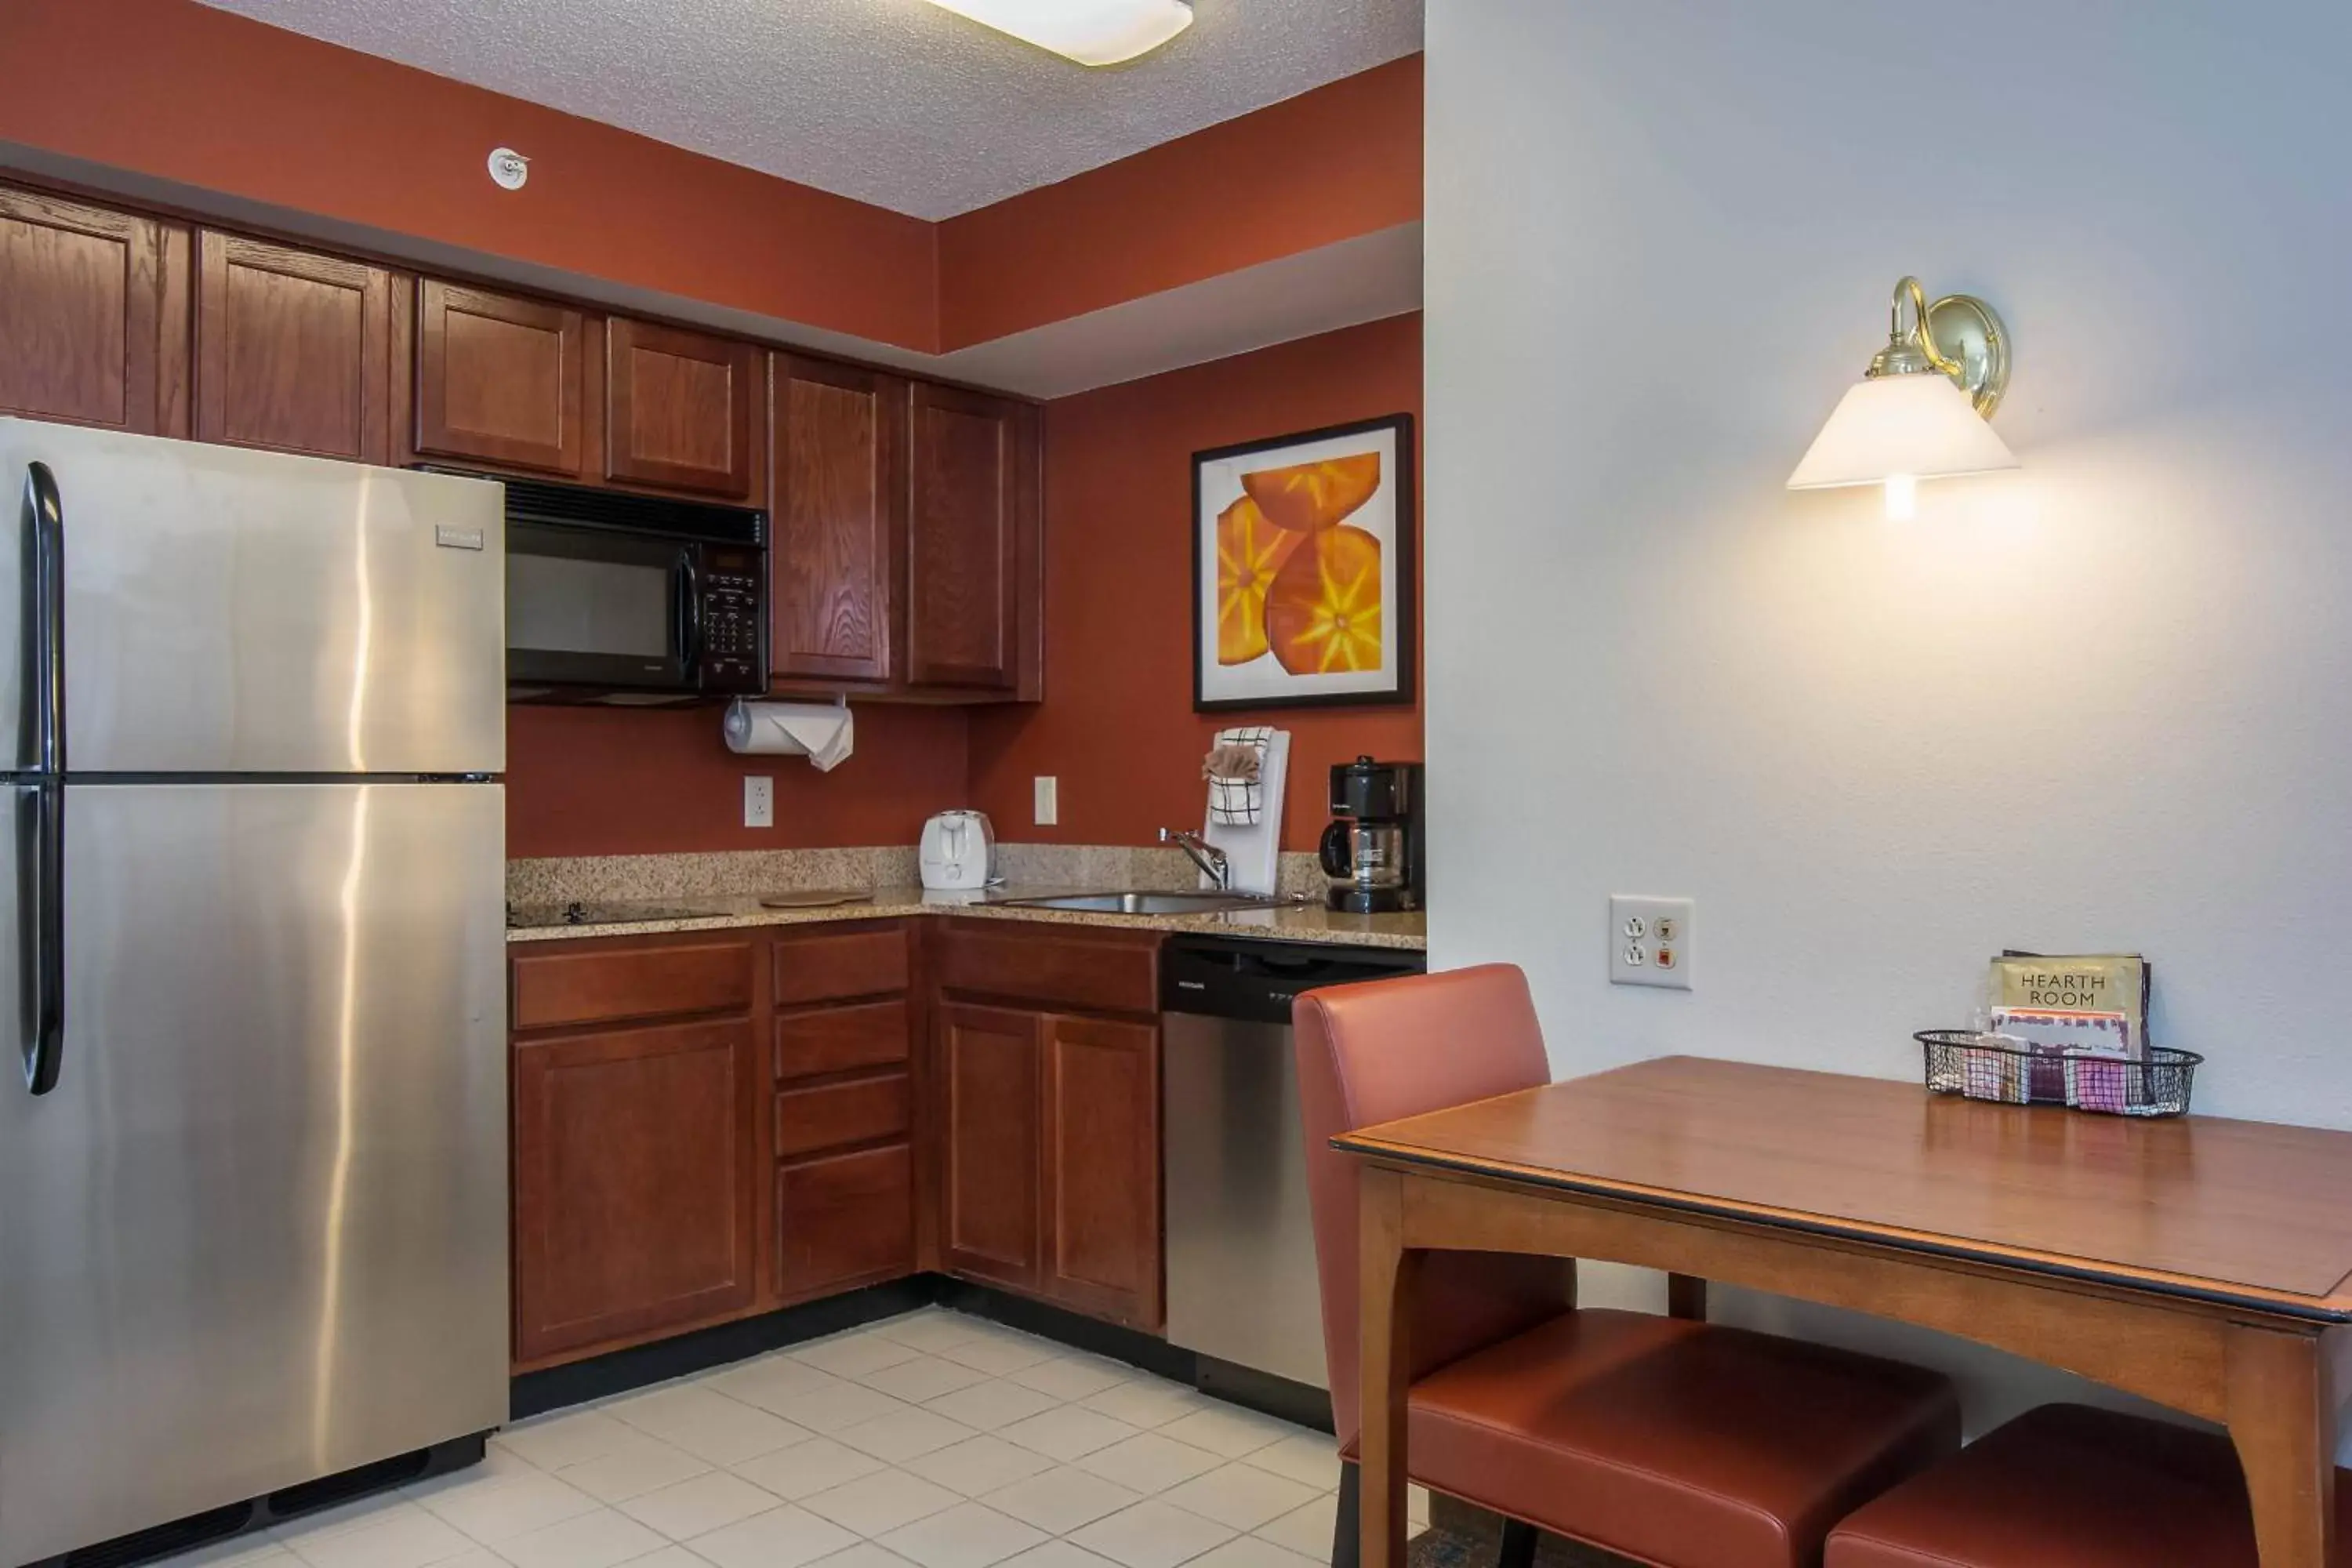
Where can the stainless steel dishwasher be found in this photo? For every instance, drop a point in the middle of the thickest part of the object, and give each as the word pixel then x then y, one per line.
pixel 1240 1241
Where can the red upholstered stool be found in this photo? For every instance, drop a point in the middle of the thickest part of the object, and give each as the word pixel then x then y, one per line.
pixel 2069 1487
pixel 1669 1441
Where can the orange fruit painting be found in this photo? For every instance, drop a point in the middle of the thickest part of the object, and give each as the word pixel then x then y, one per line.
pixel 1307 497
pixel 1323 610
pixel 1250 552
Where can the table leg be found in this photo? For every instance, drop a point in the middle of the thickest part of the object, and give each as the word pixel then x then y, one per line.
pixel 2282 1410
pixel 1385 1329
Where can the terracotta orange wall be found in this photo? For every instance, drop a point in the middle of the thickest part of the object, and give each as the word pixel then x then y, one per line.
pixel 588 781
pixel 1117 726
pixel 176 91
pixel 1326 165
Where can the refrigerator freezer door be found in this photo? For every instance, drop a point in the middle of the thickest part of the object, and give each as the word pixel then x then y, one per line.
pixel 232 611
pixel 257 1232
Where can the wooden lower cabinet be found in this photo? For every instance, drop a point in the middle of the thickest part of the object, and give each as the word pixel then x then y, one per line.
pixel 1051 1166
pixel 845 1220
pixel 714 1125
pixel 846 1129
pixel 989 1060
pixel 636 1173
pixel 1102 1168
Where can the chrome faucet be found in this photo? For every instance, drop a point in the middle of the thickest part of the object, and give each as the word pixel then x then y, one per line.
pixel 1211 859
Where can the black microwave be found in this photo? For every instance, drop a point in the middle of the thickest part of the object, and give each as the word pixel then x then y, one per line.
pixel 624 598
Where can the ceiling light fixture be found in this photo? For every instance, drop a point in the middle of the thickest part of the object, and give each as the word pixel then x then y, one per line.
pixel 1091 32
pixel 1919 411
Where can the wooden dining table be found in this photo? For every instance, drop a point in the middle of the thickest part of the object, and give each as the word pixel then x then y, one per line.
pixel 2202 1263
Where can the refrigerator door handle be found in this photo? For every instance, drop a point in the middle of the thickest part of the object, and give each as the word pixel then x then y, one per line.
pixel 41 930
pixel 45 620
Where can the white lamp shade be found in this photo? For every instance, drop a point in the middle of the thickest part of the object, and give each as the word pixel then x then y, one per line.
pixel 1921 426
pixel 1091 32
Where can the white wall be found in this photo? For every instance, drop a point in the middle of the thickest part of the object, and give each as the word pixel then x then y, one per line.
pixel 2101 705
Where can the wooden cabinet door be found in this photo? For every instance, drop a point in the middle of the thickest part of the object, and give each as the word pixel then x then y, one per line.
pixel 987 1067
pixel 293 349
pixel 636 1185
pixel 972 467
pixel 497 378
pixel 1102 1168
pixel 93 316
pixel 840 454
pixel 678 409
pixel 845 1220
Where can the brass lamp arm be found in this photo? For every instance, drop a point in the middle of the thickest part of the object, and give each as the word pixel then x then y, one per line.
pixel 1921 332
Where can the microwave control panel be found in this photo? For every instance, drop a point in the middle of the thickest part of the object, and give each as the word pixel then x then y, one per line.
pixel 734 616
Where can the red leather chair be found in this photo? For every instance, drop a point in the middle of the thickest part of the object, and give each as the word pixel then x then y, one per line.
pixel 2069 1487
pixel 1670 1441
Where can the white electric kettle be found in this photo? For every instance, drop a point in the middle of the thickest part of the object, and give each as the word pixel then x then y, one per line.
pixel 958 850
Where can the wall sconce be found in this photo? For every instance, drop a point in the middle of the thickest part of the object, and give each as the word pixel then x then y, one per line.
pixel 1919 411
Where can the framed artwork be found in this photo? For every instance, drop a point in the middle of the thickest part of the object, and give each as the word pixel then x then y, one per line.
pixel 1302 569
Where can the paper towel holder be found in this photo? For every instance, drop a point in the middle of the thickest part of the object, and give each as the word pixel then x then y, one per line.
pixel 736 729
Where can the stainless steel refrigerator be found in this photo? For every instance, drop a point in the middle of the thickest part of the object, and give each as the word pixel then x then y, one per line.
pixel 253 1171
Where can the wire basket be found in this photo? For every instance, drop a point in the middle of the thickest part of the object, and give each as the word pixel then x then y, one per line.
pixel 1961 1061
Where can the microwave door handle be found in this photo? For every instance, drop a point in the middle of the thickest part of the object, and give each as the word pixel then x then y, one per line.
pixel 689 582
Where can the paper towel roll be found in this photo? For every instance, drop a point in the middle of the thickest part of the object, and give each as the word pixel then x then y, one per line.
pixel 822 733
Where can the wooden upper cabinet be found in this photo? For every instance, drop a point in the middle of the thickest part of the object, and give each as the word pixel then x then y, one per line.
pixel 1102 1168
pixel 678 409
pixel 988 1060
pixel 970 538
pixel 293 349
pixel 498 378
pixel 93 316
pixel 839 513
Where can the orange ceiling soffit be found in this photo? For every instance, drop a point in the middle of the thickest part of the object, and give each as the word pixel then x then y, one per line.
pixel 1341 161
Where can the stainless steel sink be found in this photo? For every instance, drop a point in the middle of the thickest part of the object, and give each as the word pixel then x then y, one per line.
pixel 1203 903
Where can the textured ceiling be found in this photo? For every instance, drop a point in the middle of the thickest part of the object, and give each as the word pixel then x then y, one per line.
pixel 895 102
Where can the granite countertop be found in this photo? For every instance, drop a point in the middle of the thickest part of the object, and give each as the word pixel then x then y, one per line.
pixel 1287 923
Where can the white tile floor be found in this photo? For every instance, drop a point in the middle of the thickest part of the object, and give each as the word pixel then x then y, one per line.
pixel 929 1441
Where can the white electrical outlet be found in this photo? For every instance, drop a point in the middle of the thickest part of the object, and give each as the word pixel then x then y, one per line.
pixel 759 801
pixel 1650 941
pixel 1049 800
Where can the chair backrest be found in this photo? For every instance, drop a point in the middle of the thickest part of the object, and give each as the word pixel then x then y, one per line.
pixel 1390 1048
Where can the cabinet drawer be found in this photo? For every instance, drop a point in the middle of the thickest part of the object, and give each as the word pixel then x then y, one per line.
pixel 838 1114
pixel 553 989
pixel 840 965
pixel 845 1220
pixel 835 1039
pixel 1117 974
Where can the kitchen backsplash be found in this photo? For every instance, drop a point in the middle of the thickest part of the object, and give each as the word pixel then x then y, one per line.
pixel 658 877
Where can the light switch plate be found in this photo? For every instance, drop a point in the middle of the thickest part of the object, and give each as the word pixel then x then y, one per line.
pixel 1049 800
pixel 759 801
pixel 1650 941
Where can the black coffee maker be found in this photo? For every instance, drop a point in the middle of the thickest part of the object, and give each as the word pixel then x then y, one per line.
pixel 1372 850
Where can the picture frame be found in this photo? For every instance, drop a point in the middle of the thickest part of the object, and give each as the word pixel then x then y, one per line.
pixel 1304 593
